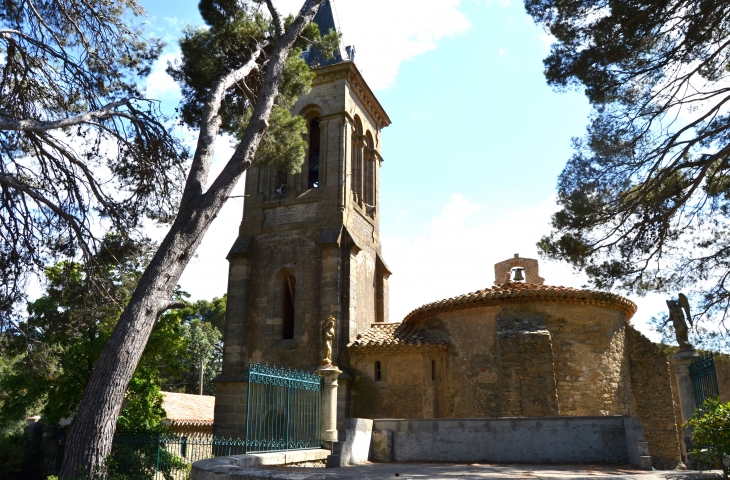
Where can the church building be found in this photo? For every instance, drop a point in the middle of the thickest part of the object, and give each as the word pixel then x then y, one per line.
pixel 309 248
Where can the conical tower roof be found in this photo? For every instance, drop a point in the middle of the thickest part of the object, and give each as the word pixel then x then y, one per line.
pixel 325 20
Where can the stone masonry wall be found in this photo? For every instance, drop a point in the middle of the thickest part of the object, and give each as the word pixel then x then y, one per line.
pixel 503 270
pixel 299 252
pixel 302 234
pixel 230 409
pixel 235 331
pixel 362 294
pixel 490 374
pixel 470 388
pixel 654 396
pixel 400 393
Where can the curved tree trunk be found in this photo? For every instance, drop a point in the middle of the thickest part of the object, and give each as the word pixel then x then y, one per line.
pixel 90 440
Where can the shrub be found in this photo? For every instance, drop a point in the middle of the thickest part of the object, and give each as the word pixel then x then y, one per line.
pixel 12 454
pixel 711 434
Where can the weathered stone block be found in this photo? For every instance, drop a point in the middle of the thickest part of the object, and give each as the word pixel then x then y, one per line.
pixel 353 445
pixel 382 445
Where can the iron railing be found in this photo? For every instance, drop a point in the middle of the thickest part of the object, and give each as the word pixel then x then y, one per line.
pixel 158 457
pixel 704 379
pixel 284 409
pixel 167 457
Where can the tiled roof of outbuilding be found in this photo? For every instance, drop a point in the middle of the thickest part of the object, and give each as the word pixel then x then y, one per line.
pixel 520 292
pixel 186 409
pixel 396 335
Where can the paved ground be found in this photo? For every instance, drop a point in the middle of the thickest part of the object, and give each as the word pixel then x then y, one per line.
pixel 440 471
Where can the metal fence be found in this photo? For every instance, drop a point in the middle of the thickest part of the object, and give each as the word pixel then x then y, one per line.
pixel 704 379
pixel 167 457
pixel 284 409
pixel 284 412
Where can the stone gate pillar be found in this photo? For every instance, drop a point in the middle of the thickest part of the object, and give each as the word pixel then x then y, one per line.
pixel 685 391
pixel 329 373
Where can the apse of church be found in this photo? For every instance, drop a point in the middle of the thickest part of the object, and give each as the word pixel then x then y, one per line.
pixel 517 349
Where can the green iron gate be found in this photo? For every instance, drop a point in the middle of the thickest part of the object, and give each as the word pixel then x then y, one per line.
pixel 284 409
pixel 704 379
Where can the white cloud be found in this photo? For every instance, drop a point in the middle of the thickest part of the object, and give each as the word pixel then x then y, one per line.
pixel 385 33
pixel 206 276
pixel 547 40
pixel 173 22
pixel 159 84
pixel 458 252
pixel 502 52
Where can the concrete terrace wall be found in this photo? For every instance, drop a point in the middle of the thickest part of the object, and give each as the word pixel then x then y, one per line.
pixel 606 439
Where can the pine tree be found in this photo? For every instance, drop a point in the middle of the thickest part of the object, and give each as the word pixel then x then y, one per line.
pixel 645 199
pixel 81 146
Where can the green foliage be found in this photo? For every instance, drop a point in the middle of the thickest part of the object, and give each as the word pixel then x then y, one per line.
pixel 234 31
pixel 212 312
pixel 645 199
pixel 65 332
pixel 142 410
pixel 47 369
pixel 283 145
pixel 200 323
pixel 62 60
pixel 711 434
pixel 141 457
pixel 15 453
pixel 12 454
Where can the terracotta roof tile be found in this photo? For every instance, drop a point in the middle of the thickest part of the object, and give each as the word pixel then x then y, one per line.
pixel 517 292
pixel 395 335
pixel 187 409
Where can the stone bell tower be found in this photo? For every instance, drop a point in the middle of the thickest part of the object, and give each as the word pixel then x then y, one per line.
pixel 309 242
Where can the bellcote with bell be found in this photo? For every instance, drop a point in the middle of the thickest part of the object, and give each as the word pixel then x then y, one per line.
pixel 518 269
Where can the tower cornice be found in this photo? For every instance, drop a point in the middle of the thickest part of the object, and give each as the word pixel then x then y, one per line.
pixel 350 72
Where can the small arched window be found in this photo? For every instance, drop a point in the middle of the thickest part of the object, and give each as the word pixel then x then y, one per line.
pixel 288 308
pixel 378 371
pixel 313 155
pixel 433 370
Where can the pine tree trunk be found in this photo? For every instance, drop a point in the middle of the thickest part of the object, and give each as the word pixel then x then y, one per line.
pixel 90 440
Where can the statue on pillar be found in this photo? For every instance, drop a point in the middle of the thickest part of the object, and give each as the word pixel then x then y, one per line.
pixel 328 334
pixel 679 315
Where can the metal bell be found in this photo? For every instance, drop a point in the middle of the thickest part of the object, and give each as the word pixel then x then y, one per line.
pixel 518 277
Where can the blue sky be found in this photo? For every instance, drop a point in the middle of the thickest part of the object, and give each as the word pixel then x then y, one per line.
pixel 471 159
